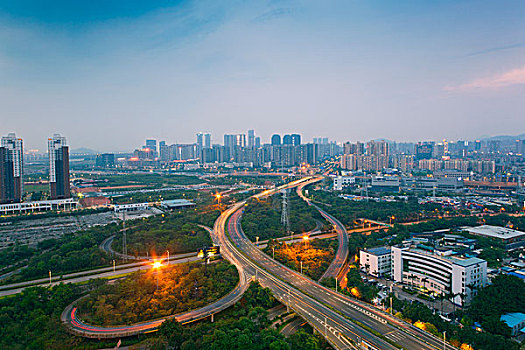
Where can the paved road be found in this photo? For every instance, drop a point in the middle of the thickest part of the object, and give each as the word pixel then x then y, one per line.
pixel 293 326
pixel 315 303
pixel 74 324
pixel 342 235
pixel 106 272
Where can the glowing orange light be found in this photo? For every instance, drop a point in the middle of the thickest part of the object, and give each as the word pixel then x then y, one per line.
pixel 355 292
pixel 420 325
pixel 157 265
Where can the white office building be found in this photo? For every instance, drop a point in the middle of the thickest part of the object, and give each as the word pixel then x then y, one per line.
pixel 375 261
pixel 341 182
pixel 439 272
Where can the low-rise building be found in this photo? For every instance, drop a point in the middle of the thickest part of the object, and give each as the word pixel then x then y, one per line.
pixel 118 208
pixel 375 261
pixel 516 322
pixel 36 206
pixel 340 182
pixel 174 204
pixel 511 238
pixel 439 271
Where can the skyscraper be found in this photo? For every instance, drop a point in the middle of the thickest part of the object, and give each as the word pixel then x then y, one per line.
pixel 58 153
pixel 152 145
pixel 207 141
pixel 276 140
pixel 200 141
pixel 296 139
pixel 287 139
pixel 251 138
pixel 11 169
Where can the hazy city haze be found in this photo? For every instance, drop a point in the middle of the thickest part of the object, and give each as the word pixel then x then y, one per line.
pixel 108 74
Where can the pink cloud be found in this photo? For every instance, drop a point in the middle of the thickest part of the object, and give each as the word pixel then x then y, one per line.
pixel 513 77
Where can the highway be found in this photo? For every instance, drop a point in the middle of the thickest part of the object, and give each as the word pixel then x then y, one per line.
pixel 316 303
pixel 77 326
pixel 337 265
pixel 77 277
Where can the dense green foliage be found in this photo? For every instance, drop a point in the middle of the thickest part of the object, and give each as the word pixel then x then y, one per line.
pixel 177 232
pixel 355 285
pixel 181 288
pixel 31 320
pixel 486 308
pixel 244 326
pixel 14 255
pixel 348 211
pixel 262 218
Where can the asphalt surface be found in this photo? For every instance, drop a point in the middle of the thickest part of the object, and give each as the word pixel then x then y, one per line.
pixel 315 303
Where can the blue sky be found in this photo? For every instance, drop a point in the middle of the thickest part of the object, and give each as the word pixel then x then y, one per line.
pixel 108 74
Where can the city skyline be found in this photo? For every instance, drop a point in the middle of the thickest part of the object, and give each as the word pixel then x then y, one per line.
pixel 347 71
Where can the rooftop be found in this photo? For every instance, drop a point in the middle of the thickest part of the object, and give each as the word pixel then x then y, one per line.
pixel 379 251
pixel 513 319
pixel 176 202
pixel 495 232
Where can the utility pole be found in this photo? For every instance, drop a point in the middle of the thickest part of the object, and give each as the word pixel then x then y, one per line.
pixel 113 265
pixel 336 284
pixel 444 340
pixel 49 276
pixel 124 243
pixel 284 214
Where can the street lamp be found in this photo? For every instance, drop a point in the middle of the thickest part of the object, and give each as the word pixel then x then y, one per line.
pixel 167 251
pixel 218 197
pixel 113 265
pixel 257 241
pixel 49 276
pixel 301 266
pixel 392 218
pixel 273 250
pixel 305 239
pixel 156 266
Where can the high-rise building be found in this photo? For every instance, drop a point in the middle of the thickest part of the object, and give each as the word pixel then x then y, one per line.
pixel 251 138
pixel 105 160
pixel 58 153
pixel 151 144
pixel 276 140
pixel 11 169
pixel 200 141
pixel 424 150
pixel 296 139
pixel 164 151
pixel 287 140
pixel 207 141
pixel 257 142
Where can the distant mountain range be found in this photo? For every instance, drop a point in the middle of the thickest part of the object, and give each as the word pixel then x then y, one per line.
pixel 503 137
pixel 83 150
